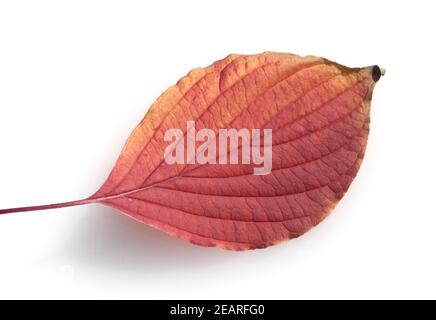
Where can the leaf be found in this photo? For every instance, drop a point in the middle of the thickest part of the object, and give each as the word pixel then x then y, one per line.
pixel 318 112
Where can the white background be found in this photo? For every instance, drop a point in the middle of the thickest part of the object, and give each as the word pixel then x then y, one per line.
pixel 77 76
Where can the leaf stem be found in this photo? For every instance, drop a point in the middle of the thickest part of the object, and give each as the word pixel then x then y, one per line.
pixel 48 206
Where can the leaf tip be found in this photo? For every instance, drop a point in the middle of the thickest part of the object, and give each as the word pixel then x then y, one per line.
pixel 377 72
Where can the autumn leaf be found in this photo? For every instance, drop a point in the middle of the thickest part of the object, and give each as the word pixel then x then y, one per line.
pixel 318 114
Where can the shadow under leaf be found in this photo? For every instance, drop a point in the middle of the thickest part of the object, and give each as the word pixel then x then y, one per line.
pixel 107 238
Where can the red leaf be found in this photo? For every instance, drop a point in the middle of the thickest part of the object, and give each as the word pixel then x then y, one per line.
pixel 318 113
